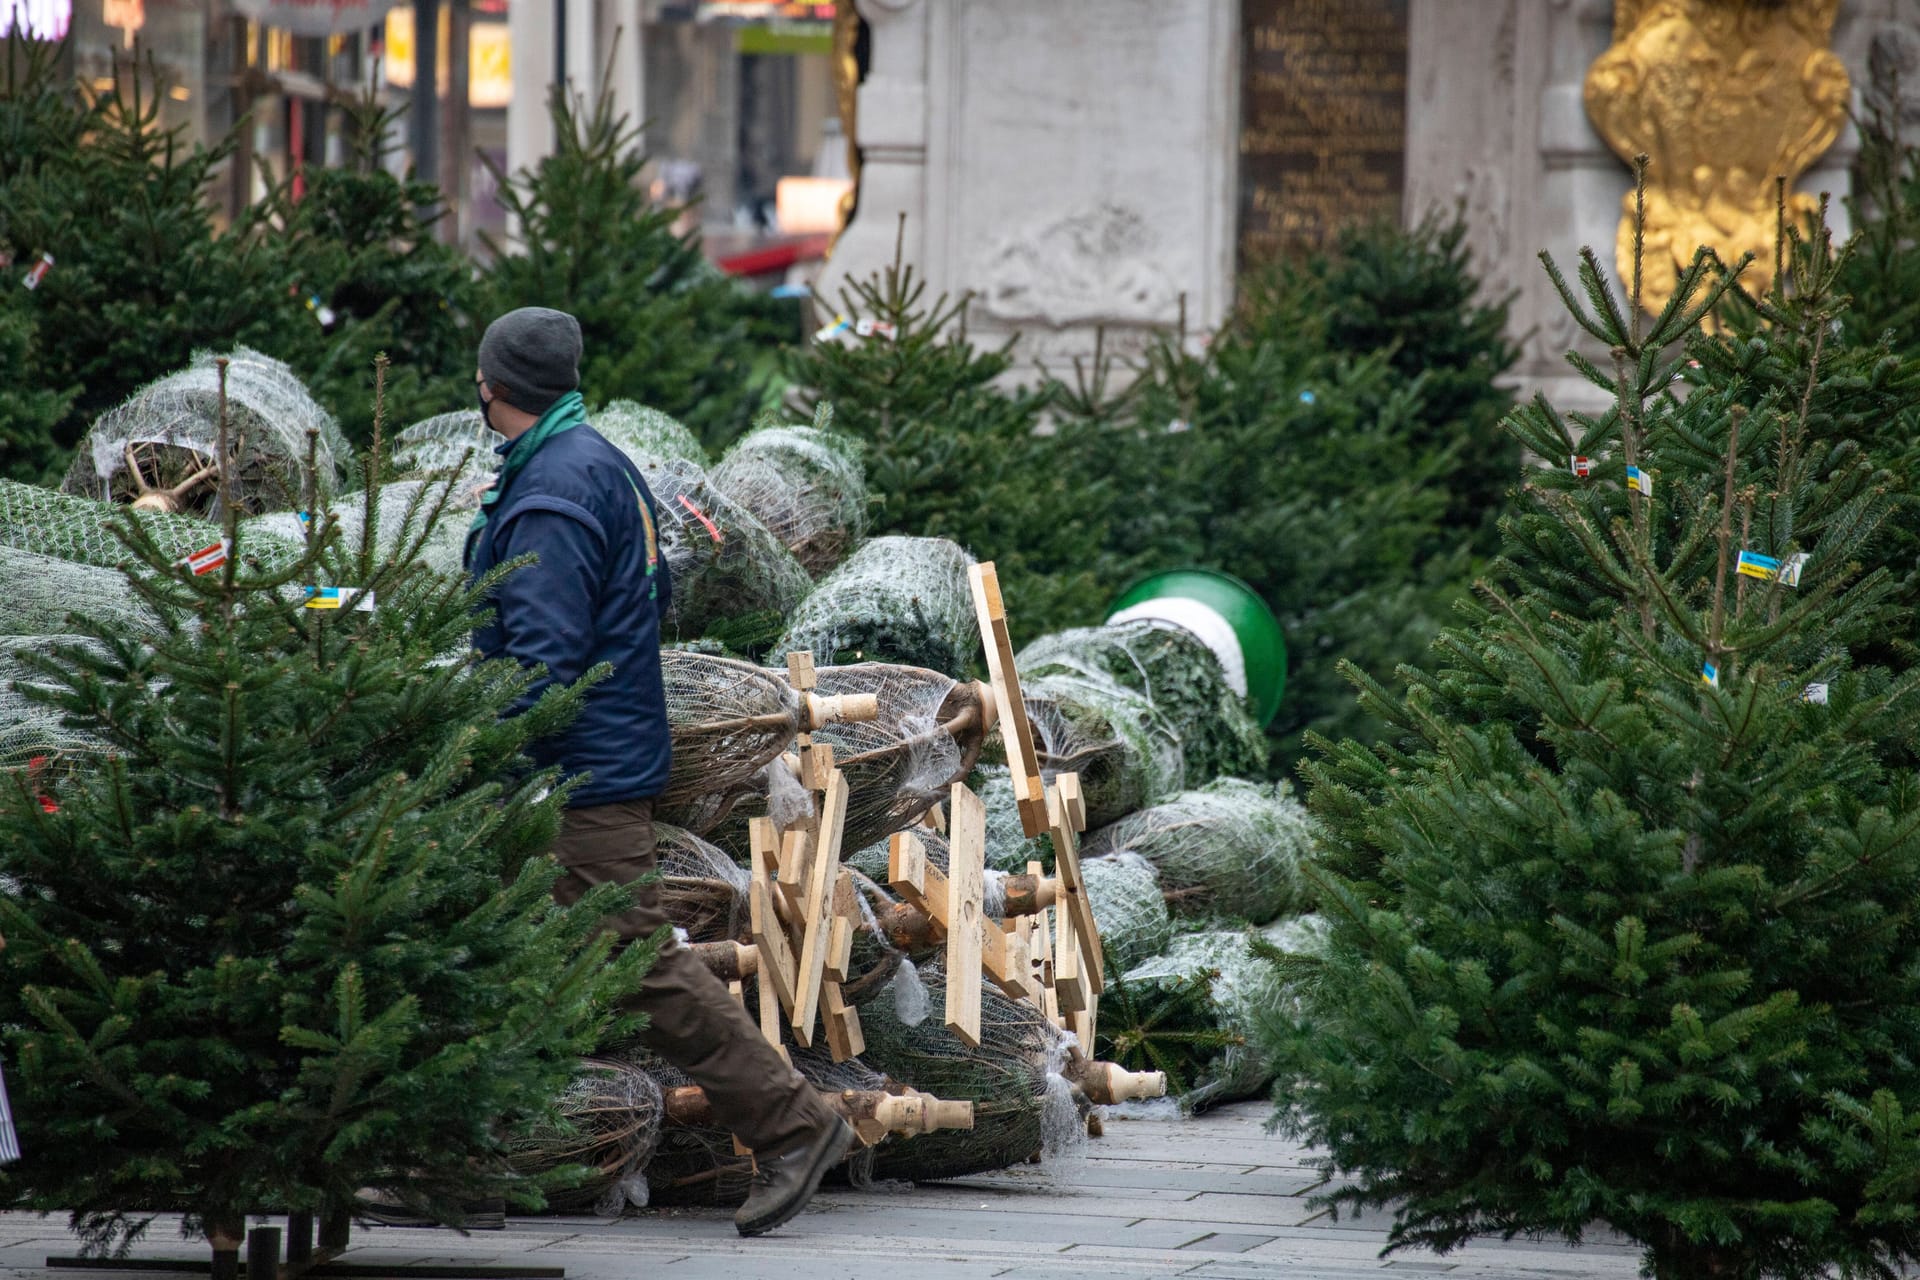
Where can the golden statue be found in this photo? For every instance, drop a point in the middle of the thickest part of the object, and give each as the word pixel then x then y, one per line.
pixel 846 90
pixel 1724 97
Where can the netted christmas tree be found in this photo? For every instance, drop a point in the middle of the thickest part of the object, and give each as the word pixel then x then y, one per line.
pixel 289 934
pixel 1625 930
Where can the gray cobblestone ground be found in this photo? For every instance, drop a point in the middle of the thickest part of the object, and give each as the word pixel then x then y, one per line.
pixel 1213 1197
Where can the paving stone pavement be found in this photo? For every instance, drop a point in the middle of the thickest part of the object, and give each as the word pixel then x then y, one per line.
pixel 1210 1198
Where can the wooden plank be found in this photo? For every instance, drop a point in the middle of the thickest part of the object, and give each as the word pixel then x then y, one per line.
pixel 1072 897
pixel 935 819
pixel 777 962
pixel 795 846
pixel 907 869
pixel 821 874
pixel 1003 956
pixel 1069 982
pixel 1022 760
pixel 846 922
pixel 966 923
pixel 800 673
pixel 844 1037
pixel 1071 799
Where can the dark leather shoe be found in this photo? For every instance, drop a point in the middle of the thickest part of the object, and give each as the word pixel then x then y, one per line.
pixel 784 1184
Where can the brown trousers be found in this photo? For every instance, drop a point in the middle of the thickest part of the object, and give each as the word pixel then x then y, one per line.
pixel 692 1021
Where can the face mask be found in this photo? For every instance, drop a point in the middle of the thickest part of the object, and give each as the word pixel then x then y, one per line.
pixel 486 405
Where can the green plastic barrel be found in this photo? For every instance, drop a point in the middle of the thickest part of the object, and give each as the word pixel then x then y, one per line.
pixel 1229 616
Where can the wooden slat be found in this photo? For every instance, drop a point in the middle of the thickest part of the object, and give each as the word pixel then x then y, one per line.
pixel 800 673
pixel 777 967
pixel 1022 760
pixel 846 921
pixel 795 846
pixel 966 887
pixel 907 871
pixel 1069 982
pixel 824 869
pixel 844 1037
pixel 1072 897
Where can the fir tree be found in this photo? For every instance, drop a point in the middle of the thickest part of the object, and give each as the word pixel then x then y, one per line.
pixel 661 325
pixel 1622 921
pixel 950 452
pixel 141 277
pixel 367 274
pixel 290 935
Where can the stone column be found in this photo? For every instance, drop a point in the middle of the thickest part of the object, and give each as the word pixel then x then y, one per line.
pixel 1072 164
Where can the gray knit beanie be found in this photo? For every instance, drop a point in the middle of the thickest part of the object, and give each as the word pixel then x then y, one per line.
pixel 531 357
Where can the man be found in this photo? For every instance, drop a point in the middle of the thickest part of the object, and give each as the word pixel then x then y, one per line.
pixel 596 594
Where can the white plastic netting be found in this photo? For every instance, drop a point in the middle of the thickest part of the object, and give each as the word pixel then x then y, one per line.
pixel 1124 892
pixel 807 486
pixel 649 437
pixel 37 593
pixel 1232 848
pixel 926 738
pixel 1009 847
pixel 609 1122
pixel 727 567
pixel 896 599
pixel 1127 754
pixel 1177 673
pixel 728 720
pixel 702 890
pixel 66 527
pixel 29 729
pixel 459 445
pixel 404 511
pixel 1203 985
pixel 169 431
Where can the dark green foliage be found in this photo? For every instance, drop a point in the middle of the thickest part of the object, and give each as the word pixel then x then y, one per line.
pixel 1611 945
pixel 950 453
pixel 293 937
pixel 662 327
pixel 28 413
pixel 1169 1024
pixel 359 243
pixel 141 277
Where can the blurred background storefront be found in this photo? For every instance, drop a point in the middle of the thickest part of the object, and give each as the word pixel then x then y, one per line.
pixel 737 96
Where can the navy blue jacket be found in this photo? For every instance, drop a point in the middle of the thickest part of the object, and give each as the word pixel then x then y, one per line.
pixel 596 594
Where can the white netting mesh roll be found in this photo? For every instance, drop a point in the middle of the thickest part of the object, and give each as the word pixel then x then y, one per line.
pixel 702 890
pixel 29 729
pixel 926 738
pixel 1177 673
pixel 1124 892
pixel 460 445
pixel 66 527
pixel 805 484
pixel 726 565
pixel 1207 983
pixel 896 599
pixel 403 512
pixel 1232 848
pixel 612 1113
pixel 1009 847
pixel 170 429
pixel 38 592
pixel 1127 754
pixel 728 720
pixel 649 437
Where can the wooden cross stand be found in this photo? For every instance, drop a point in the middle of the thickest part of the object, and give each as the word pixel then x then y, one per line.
pixel 1056 810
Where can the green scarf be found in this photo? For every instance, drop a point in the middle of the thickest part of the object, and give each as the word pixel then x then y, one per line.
pixel 568 412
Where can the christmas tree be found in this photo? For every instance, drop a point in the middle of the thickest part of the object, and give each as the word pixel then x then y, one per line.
pixel 1622 920
pixel 358 248
pixel 139 276
pixel 662 326
pixel 950 453
pixel 290 935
